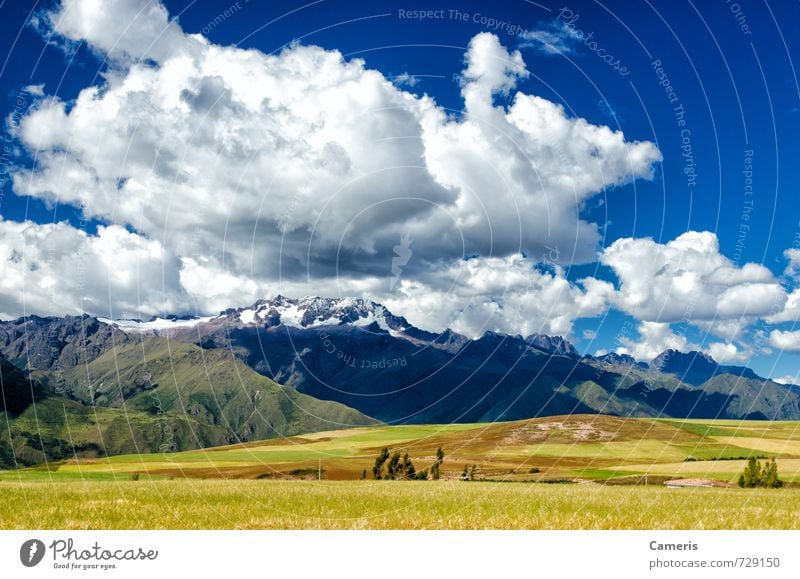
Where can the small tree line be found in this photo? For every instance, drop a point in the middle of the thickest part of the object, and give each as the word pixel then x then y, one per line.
pixel 396 467
pixel 755 475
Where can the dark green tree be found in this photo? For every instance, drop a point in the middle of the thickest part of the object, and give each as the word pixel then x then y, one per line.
pixel 770 477
pixel 377 470
pixel 436 467
pixel 393 467
pixel 754 475
pixel 409 472
pixel 363 474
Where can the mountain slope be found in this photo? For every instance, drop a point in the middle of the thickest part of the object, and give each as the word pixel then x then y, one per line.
pixel 156 375
pixel 37 426
pixel 358 353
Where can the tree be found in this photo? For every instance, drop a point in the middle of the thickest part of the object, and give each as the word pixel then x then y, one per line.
pixel 422 475
pixel 469 472
pixel 363 474
pixel 409 472
pixel 770 478
pixel 377 470
pixel 393 467
pixel 435 468
pixel 755 476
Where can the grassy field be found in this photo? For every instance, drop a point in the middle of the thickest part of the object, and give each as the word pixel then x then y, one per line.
pixel 617 468
pixel 577 447
pixel 220 504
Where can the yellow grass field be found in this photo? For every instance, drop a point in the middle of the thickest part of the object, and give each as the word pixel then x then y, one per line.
pixel 603 473
pixel 226 504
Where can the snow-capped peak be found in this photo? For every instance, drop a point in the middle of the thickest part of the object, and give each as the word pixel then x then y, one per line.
pixel 155 323
pixel 313 311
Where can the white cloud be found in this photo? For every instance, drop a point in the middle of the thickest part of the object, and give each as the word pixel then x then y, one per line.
pixel 303 168
pixel 406 79
pixel 788 341
pixel 56 269
pixel 792 270
pixel 727 353
pixel 688 278
pixel 653 339
pixel 35 89
pixel 552 39
pixel 795 380
pixel 504 295
pixel 790 311
pixel 120 29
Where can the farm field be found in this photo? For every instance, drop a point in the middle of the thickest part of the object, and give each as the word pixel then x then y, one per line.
pixel 580 447
pixel 613 470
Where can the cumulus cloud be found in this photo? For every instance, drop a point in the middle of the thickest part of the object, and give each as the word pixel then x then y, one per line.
pixel 790 311
pixel 795 380
pixel 689 279
pixel 654 338
pixel 727 353
pixel 56 269
pixel 787 341
pixel 506 295
pixel 256 172
pixel 120 29
pixel 792 270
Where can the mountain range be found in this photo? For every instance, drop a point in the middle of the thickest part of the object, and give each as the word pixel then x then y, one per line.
pixel 286 366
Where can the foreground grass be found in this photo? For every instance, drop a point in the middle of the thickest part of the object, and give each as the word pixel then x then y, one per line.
pixel 244 504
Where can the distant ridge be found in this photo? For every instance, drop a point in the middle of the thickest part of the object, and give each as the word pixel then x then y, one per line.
pixel 358 353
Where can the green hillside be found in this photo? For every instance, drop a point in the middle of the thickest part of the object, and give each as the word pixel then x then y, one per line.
pixel 152 396
pixel 156 375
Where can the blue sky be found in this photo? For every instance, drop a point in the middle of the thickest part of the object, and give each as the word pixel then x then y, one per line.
pixel 734 109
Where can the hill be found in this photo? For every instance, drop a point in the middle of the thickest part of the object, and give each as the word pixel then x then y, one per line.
pixel 150 396
pixel 155 375
pixel 37 426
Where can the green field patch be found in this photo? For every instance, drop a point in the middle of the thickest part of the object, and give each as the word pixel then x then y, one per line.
pixel 702 428
pixel 780 447
pixel 635 450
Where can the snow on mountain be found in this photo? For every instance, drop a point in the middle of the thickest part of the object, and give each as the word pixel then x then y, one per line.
pixel 154 324
pixel 312 312
pixel 303 313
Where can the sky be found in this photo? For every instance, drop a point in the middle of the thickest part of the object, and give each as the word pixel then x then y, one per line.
pixel 622 174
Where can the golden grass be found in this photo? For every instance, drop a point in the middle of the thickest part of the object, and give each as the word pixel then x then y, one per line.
pixel 215 504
